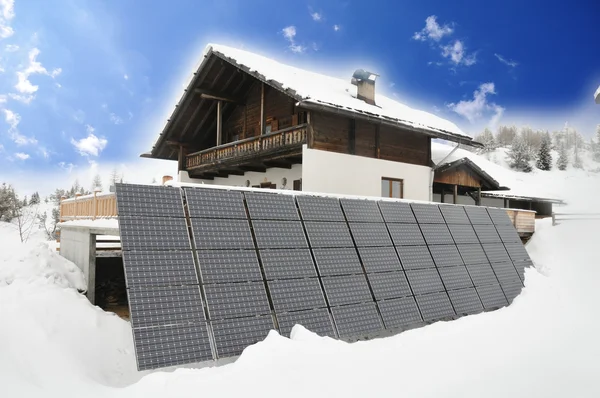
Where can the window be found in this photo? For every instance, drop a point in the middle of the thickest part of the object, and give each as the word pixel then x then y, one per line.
pixel 392 188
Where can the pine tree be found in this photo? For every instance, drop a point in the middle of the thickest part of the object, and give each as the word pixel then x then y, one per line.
pixel 518 155
pixel 596 145
pixel 544 157
pixel 577 162
pixel 563 157
pixel 25 202
pixel 97 183
pixel 35 199
pixel 487 139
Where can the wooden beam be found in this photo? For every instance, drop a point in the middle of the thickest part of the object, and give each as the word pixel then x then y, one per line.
pixel 262 108
pixel 207 94
pixel 377 142
pixel 219 122
pixel 177 143
pixel 479 196
pixel 235 172
pixel 256 168
pixel 228 104
pixel 455 193
pixel 352 137
pixel 181 158
pixel 282 164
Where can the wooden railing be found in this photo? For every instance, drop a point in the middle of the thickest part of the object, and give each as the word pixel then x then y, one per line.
pixel 89 207
pixel 523 220
pixel 290 137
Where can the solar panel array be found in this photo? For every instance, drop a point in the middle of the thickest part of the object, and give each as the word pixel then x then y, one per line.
pixel 211 271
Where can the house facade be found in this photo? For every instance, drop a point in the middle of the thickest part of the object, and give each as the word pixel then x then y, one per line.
pixel 247 120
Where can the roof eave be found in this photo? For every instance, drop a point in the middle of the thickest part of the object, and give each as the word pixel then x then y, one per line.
pixel 482 173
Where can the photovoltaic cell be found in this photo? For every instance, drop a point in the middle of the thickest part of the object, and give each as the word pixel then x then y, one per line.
pixel 397 212
pixel 520 267
pixel 315 208
pixel 511 290
pixel 296 294
pixel 517 251
pixel 361 210
pixel 379 259
pixel 465 301
pixel 287 263
pixel 495 252
pixel 155 306
pixel 232 336
pixel 222 234
pixel 508 233
pixel 482 274
pixel 271 206
pixel 435 306
pixel 455 277
pixel 356 319
pixel 317 321
pixel 215 203
pixel 506 273
pixel 162 346
pixel 446 255
pixel 414 257
pixel 486 233
pixel 454 214
pixel 389 285
pixel 236 300
pixel 222 266
pixel 159 268
pixel 425 281
pixel 398 313
pixel 462 233
pixel 436 234
pixel 406 234
pixel 370 234
pixel 156 233
pixel 342 290
pixel 491 296
pixel 339 261
pixel 149 201
pixel 279 234
pixel 328 234
pixel 499 216
pixel 427 214
pixel 478 215
pixel 472 254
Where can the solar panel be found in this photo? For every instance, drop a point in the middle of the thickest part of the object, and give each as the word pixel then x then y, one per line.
pixel 361 210
pixel 342 290
pixel 472 254
pixel 389 285
pixel 296 294
pixel 279 234
pixel 222 234
pixel 520 267
pixel 340 261
pixel 159 268
pixel 400 312
pixel 506 273
pixel 435 306
pixel 233 300
pixel 271 206
pixel 415 257
pixel 328 234
pixel 427 214
pixel 397 212
pixel 454 214
pixel 516 251
pixel 232 336
pixel 149 201
pixel 370 234
pixel 425 281
pixel 495 252
pixel 445 255
pixel 170 345
pixel 153 233
pixel 406 234
pixel 215 203
pixel 317 321
pixel 478 215
pixel 486 233
pixel 436 234
pixel 455 277
pixel 511 290
pixel 165 305
pixel 356 320
pixel 315 208
pixel 508 233
pixel 222 266
pixel 465 301
pixel 287 263
pixel 462 233
pixel 499 216
pixel 482 274
pixel 491 296
pixel 379 259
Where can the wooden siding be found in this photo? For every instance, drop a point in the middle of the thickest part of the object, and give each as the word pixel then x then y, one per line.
pixel 88 207
pixel 524 221
pixel 458 176
pixel 404 146
pixel 365 139
pixel 330 132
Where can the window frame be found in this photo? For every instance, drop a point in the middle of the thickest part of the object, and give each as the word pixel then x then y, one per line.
pixel 391 181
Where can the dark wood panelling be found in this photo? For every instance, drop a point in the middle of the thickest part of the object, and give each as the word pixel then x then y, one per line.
pixel 365 139
pixel 404 146
pixel 330 132
pixel 458 176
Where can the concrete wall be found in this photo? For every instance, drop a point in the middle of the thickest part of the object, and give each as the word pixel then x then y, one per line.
pixel 273 175
pixel 79 246
pixel 337 173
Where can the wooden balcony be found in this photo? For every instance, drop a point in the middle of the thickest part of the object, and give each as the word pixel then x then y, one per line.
pixel 249 154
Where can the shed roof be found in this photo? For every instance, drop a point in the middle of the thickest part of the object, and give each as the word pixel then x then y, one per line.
pixel 490 182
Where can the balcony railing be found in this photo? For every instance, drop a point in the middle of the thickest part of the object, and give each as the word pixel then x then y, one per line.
pixel 275 142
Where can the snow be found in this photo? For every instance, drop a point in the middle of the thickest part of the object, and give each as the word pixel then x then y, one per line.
pixel 90 196
pixel 597 95
pixel 97 223
pixel 330 91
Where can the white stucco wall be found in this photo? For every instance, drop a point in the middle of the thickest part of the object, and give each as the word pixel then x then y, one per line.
pixel 273 175
pixel 330 172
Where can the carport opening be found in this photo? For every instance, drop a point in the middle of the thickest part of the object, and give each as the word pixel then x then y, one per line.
pixel 111 292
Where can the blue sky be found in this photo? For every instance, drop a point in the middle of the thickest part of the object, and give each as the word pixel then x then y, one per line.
pixel 87 85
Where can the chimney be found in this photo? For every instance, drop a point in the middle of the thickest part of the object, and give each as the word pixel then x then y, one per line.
pixel 365 82
pixel 166 178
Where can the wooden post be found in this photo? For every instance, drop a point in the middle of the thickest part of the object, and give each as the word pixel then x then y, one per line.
pixel 60 217
pixel 352 137
pixel 455 193
pixel 478 196
pixel 244 128
pixel 262 108
pixel 442 195
pixel 77 195
pixel 377 142
pixel 181 166
pixel 219 122
pixel 95 207
pixel 506 203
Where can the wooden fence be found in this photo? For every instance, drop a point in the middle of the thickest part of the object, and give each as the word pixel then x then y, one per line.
pixel 89 207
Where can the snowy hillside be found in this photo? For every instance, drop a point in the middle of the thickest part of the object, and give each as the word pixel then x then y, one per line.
pixel 54 343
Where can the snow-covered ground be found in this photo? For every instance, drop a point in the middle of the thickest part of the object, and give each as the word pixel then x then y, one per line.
pixel 54 343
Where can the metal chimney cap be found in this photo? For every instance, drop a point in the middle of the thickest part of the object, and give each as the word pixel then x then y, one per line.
pixel 361 74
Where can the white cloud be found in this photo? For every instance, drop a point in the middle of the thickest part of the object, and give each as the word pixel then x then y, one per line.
pixel 336 27
pixel 458 54
pixel 11 48
pixel 90 145
pixel 316 16
pixel 66 166
pixel 289 32
pixel 13 119
pixel 115 119
pixel 509 62
pixel 433 30
pixel 23 85
pixel 479 107
pixel 21 156
pixel 7 13
pixel 126 77
pixel 26 99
